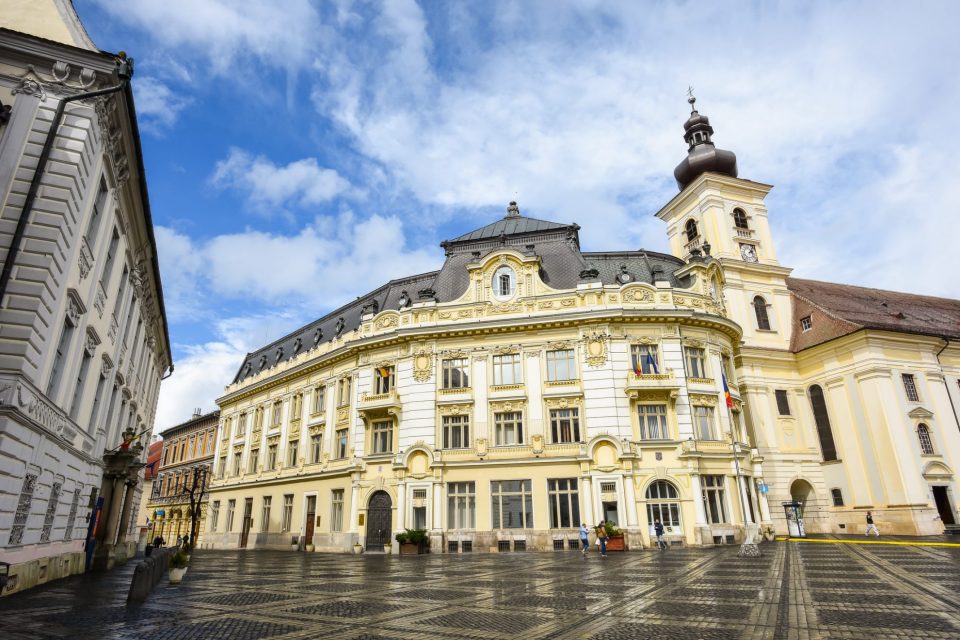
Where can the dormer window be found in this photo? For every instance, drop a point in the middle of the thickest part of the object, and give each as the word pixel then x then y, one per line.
pixel 806 323
pixel 691 230
pixel 504 283
pixel 740 219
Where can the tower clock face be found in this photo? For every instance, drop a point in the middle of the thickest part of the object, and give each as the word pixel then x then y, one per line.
pixel 749 252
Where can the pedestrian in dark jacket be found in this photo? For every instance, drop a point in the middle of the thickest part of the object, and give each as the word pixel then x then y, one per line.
pixel 658 530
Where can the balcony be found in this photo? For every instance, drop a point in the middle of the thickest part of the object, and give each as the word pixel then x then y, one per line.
pixel 652 385
pixel 743 233
pixel 376 405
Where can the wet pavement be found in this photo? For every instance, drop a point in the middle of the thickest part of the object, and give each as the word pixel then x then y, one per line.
pixel 795 591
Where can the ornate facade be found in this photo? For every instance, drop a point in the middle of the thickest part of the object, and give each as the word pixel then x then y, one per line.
pixel 85 337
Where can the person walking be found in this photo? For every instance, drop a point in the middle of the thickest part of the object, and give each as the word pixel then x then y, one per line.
pixel 658 529
pixel 870 526
pixel 157 542
pixel 584 537
pixel 602 538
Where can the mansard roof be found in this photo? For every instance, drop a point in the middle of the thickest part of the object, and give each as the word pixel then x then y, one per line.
pixel 847 308
pixel 511 226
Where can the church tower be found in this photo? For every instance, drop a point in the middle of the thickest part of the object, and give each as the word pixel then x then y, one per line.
pixel 723 216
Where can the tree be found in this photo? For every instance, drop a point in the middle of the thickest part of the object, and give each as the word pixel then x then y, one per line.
pixel 196 491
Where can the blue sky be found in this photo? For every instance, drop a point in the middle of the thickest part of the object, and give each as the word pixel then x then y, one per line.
pixel 301 153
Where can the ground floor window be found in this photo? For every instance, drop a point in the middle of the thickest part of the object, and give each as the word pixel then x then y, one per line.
pixel 265 513
pixel 461 505
pixel 512 504
pixel 336 510
pixel 714 499
pixel 663 504
pixel 564 503
pixel 287 518
pixel 214 515
pixel 456 432
pixel 231 509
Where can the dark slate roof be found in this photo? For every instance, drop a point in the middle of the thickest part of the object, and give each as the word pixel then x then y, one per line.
pixel 639 264
pixel 511 226
pixel 880 309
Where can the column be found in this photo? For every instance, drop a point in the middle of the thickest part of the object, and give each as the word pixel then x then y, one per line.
pixel 745 501
pixel 106 493
pixel 401 506
pixel 728 499
pixel 354 508
pixel 113 516
pixel 698 500
pixel 437 502
pixel 128 501
pixel 764 506
pixel 631 501
pixel 586 501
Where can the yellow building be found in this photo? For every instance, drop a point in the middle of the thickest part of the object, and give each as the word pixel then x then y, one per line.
pixel 528 386
pixel 185 468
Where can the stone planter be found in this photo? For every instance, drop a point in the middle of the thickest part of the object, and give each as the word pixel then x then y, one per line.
pixel 176 575
pixel 615 543
pixel 409 549
pixel 388 548
pixel 357 549
pixel 770 535
pixel 310 548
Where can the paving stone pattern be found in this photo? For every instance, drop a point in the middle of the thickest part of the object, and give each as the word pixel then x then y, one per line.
pixel 795 591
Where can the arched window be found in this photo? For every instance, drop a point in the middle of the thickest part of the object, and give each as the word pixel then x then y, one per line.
pixel 663 503
pixel 504 283
pixel 824 432
pixel 691 228
pixel 926 443
pixel 740 219
pixel 760 307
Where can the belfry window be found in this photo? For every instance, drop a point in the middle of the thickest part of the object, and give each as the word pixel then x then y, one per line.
pixel 740 219
pixel 691 230
pixel 760 308
pixel 824 432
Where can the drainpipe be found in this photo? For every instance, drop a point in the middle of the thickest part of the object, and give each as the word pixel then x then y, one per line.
pixel 124 73
pixel 946 343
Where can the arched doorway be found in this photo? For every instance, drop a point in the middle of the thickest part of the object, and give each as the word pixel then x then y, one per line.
pixel 379 520
pixel 803 494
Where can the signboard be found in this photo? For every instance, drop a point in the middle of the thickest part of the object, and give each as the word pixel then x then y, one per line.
pixel 764 488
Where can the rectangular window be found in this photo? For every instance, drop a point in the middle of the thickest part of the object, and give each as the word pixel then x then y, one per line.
pixel 343 391
pixel 78 388
pixel 806 323
pixel 456 432
pixel 319 399
pixel 72 516
pixel 645 359
pixel 342 443
pixel 508 427
pixel 293 449
pixel 382 380
pixel 265 513
pixel 257 418
pixel 565 425
pixel 241 426
pixel 511 504
pixel 108 262
pixel 910 386
pixel 696 362
pixel 783 403
pixel 254 460
pixel 97 400
pixel 214 515
pixel 52 503
pixel 561 365
pixel 461 505
pixel 231 509
pixel 236 464
pixel 63 346
pixel 714 500
pixel 837 497
pixel 277 412
pixel 296 406
pixel 336 510
pixel 222 466
pixel 419 517
pixel 316 448
pixel 564 503
pixel 703 423
pixel 287 520
pixel 382 437
pixel 271 457
pixel 506 369
pixel 456 373
pixel 93 228
pixel 653 421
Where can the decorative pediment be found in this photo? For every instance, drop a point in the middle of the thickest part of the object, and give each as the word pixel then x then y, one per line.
pixel 508 405
pixel 703 399
pixel 564 402
pixel 455 409
pixel 920 414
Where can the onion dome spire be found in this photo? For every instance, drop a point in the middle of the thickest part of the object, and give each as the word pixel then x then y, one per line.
pixel 702 155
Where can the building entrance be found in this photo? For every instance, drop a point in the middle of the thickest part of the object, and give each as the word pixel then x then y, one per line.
pixel 247 522
pixel 944 507
pixel 379 521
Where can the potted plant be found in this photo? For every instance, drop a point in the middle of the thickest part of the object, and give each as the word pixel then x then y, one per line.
pixel 769 534
pixel 187 549
pixel 295 543
pixel 178 566
pixel 614 537
pixel 357 548
pixel 412 541
pixel 387 547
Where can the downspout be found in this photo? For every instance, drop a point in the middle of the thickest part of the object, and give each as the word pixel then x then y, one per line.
pixel 946 387
pixel 124 73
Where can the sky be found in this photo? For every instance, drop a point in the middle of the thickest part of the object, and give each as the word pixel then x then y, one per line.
pixel 301 153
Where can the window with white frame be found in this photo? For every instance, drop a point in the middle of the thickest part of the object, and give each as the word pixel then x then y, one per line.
pixel 383 380
pixel 293 450
pixel 564 503
pixel 456 431
pixel 214 515
pixel 503 283
pixel 760 310
pixel 696 362
pixel 319 395
pixel 271 457
pixel 910 387
pixel 653 421
pixel 740 219
pixel 561 365
pixel 461 505
pixel 287 516
pixel 508 428
pixel 236 464
pixel 703 423
pixel 714 498
pixel 382 436
pixel 343 391
pixel 565 425
pixel 645 359
pixel 342 443
pixel 231 509
pixel 507 369
pixel 926 442
pixel 456 373
pixel 316 447
pixel 806 323
pixel 265 513
pixel 336 510
pixel 277 413
pixel 63 345
pixel 511 504
pixel 663 503
pixel 254 460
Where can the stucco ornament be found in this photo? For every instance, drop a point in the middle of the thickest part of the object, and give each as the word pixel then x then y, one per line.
pixel 422 365
pixel 595 344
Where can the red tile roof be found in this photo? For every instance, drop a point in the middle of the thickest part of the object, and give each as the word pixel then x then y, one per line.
pixel 153 460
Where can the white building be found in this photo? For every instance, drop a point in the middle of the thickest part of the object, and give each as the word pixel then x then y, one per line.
pixel 83 334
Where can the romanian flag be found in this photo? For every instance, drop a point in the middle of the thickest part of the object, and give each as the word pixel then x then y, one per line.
pixel 726 392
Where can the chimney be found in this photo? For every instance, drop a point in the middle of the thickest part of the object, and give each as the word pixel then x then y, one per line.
pixel 196 412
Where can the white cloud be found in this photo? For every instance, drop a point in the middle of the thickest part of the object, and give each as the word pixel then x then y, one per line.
pixel 270 188
pixel 157 105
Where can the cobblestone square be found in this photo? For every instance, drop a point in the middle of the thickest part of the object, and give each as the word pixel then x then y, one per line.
pixel 795 591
